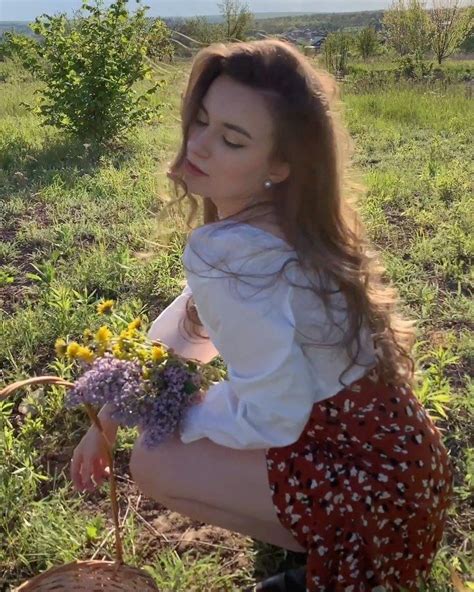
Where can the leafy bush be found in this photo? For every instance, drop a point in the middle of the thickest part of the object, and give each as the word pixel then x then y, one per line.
pixel 405 70
pixel 413 66
pixel 13 45
pixel 336 52
pixel 367 42
pixel 90 65
pixel 159 41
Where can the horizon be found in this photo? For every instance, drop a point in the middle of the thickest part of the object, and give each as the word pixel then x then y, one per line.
pixel 28 10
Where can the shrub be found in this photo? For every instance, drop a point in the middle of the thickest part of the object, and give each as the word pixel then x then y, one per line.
pixel 14 45
pixel 159 41
pixel 336 52
pixel 90 65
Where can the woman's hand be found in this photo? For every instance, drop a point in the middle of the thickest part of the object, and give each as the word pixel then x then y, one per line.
pixel 90 460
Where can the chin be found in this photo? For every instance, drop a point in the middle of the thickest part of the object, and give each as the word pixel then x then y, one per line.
pixel 192 180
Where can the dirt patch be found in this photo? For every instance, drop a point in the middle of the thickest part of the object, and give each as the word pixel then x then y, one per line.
pixel 12 296
pixel 161 529
pixel 39 212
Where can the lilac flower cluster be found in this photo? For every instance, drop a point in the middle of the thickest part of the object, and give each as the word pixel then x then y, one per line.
pixel 156 405
pixel 110 380
pixel 170 405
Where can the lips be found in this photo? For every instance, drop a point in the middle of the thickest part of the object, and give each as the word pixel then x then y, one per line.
pixel 194 168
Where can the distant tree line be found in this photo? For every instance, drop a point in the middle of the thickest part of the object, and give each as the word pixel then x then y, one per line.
pixel 90 63
pixel 406 27
pixel 326 22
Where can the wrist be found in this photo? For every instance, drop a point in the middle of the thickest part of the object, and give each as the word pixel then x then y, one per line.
pixel 109 426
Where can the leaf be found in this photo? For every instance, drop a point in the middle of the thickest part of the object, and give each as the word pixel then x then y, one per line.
pixel 33 276
pixel 92 531
pixel 190 388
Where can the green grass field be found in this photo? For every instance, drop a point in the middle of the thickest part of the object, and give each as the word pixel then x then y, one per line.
pixel 75 229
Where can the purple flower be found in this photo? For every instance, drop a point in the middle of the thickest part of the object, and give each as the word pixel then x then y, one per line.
pixel 165 416
pixel 109 380
pixel 157 404
pixel 168 408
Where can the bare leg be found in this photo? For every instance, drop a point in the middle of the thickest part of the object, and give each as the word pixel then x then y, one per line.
pixel 262 531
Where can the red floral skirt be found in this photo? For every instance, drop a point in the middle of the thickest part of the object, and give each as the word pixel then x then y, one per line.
pixel 365 490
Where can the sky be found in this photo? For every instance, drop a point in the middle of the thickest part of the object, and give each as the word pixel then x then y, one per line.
pixel 27 10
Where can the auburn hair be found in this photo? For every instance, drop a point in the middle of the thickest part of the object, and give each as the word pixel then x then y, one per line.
pixel 315 207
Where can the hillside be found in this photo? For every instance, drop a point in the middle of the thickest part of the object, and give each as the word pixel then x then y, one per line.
pixel 270 22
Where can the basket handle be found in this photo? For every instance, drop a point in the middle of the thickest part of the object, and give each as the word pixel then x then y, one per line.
pixel 56 380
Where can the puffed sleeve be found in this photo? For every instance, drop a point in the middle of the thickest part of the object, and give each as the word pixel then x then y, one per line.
pixel 168 328
pixel 268 397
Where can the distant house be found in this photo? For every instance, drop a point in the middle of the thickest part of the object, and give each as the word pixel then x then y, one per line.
pixel 317 41
pixel 312 39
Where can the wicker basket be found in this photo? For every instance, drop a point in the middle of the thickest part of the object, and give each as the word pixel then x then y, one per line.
pixel 92 575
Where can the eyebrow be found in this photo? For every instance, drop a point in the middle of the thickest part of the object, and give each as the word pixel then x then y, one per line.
pixel 230 125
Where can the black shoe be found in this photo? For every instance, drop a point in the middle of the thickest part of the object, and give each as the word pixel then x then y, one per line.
pixel 292 580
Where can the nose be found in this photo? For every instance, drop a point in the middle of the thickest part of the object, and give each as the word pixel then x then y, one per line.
pixel 199 143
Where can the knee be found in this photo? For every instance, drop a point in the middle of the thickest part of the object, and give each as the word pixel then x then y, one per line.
pixel 146 470
pixel 139 465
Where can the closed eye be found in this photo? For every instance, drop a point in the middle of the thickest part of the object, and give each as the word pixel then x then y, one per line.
pixel 225 141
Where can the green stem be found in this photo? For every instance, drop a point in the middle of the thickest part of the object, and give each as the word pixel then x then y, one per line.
pixel 92 413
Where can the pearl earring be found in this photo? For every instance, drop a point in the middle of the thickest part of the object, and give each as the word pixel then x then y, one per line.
pixel 267 184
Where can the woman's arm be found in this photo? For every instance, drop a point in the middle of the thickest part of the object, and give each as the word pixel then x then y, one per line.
pixel 109 426
pixel 168 328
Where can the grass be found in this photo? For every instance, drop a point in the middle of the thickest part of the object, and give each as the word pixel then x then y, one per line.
pixel 75 229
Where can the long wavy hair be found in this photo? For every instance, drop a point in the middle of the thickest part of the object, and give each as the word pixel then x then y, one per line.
pixel 315 207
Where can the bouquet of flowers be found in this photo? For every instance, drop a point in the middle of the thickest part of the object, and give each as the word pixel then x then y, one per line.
pixel 147 383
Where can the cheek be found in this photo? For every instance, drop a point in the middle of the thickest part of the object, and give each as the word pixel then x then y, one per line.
pixel 240 166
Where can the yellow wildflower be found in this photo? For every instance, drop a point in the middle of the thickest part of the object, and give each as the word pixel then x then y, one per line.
pixel 85 354
pixel 105 307
pixel 135 324
pixel 126 339
pixel 146 373
pixel 125 334
pixel 117 351
pixel 60 346
pixel 157 353
pixel 104 334
pixel 73 349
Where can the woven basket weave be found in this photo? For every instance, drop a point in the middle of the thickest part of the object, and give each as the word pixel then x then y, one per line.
pixel 89 575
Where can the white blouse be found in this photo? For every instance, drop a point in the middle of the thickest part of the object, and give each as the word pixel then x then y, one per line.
pixel 168 328
pixel 263 328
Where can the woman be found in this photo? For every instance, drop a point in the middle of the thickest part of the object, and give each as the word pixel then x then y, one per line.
pixel 316 442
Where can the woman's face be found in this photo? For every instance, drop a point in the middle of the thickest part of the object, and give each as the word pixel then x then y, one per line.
pixel 231 140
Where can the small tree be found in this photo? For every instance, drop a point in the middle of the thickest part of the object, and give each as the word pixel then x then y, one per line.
pixel 366 42
pixel 14 45
pixel 89 66
pixel 160 45
pixel 237 19
pixel 451 25
pixel 407 28
pixel 336 52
